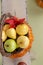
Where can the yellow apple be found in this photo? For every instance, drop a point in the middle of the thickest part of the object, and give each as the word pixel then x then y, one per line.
pixel 22 29
pixel 11 33
pixel 23 41
pixel 4 36
pixel 6 27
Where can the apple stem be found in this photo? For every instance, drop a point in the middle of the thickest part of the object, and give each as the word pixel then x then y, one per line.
pixel 21 43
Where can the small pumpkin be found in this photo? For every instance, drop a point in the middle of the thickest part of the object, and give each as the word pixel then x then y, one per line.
pixel 40 3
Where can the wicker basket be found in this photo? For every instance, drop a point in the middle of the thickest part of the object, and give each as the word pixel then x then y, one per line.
pixel 24 51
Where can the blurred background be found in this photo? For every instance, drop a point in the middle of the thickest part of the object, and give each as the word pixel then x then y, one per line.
pixel 35 19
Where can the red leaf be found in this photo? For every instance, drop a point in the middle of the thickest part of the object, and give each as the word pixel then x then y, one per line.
pixel 22 20
pixel 15 18
pixel 10 21
pixel 12 26
pixel 14 21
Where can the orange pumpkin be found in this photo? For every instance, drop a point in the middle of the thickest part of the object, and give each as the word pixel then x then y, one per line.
pixel 40 3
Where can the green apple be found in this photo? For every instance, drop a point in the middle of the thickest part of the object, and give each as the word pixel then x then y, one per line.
pixel 11 33
pixel 4 36
pixel 6 27
pixel 10 45
pixel 23 41
pixel 22 29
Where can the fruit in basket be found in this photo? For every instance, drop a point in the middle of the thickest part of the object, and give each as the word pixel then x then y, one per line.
pixel 6 27
pixel 11 33
pixel 22 29
pixel 23 41
pixel 10 45
pixel 4 36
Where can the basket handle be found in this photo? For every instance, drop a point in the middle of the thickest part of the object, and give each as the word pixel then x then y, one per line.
pixel 3 17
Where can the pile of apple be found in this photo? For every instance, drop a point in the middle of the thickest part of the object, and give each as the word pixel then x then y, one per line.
pixel 14 34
